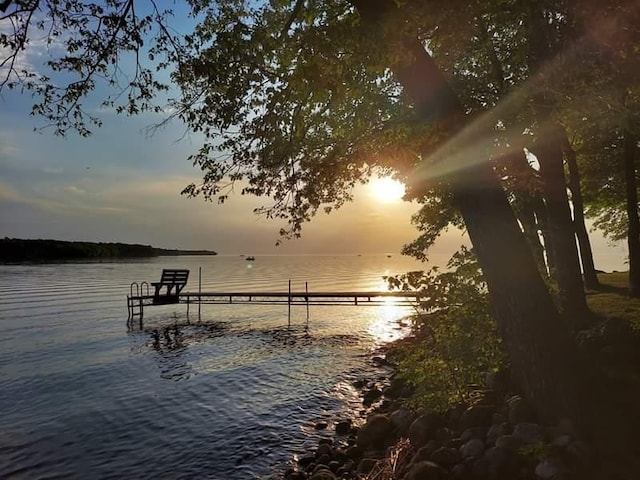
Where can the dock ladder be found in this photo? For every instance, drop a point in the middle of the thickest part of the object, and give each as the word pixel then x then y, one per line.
pixel 135 299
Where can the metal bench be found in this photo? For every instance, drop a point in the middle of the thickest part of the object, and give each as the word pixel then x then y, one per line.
pixel 174 280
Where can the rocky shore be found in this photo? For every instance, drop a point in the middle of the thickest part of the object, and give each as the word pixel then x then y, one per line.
pixel 494 437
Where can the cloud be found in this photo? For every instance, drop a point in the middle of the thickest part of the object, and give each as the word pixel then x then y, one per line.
pixel 8 147
pixel 74 190
pixel 54 204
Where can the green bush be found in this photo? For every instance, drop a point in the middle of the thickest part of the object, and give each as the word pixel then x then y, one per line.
pixel 455 339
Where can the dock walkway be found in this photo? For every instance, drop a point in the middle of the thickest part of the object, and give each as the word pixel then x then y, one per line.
pixel 137 301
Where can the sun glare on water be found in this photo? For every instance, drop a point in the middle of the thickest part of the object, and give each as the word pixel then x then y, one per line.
pixel 387 189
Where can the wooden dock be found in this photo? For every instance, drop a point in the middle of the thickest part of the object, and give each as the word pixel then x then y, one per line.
pixel 137 301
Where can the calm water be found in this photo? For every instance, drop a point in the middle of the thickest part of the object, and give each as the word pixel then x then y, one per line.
pixel 235 397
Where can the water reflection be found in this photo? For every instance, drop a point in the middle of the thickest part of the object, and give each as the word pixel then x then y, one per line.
pixel 387 325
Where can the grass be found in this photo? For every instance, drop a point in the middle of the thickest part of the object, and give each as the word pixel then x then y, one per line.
pixel 613 302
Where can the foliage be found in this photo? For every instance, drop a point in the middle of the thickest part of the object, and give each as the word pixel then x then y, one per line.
pixel 456 341
pixel 86 44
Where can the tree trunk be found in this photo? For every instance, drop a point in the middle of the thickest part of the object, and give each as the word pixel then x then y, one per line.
pixel 543 225
pixel 523 187
pixel 630 150
pixel 573 303
pixel 586 254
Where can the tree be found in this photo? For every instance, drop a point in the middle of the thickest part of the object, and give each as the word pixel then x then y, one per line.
pixel 602 119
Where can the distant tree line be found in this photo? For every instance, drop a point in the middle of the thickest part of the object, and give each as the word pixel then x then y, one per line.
pixel 20 250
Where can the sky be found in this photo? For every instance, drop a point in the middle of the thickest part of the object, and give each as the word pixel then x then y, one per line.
pixel 122 185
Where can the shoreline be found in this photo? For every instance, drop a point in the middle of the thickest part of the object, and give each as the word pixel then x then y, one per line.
pixel 497 436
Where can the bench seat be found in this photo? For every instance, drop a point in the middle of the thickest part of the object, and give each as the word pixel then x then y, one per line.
pixel 173 281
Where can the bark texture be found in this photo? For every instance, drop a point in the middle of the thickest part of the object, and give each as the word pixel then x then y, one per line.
pixel 633 230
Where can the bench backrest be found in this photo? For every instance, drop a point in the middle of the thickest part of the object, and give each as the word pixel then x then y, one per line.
pixel 174 277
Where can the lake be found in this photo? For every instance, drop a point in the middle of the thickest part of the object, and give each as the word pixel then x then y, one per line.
pixel 233 395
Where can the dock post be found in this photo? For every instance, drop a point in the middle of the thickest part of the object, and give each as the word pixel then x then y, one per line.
pixel 199 291
pixel 306 290
pixel 289 304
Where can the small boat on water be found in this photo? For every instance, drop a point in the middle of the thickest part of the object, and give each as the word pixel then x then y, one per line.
pixel 249 258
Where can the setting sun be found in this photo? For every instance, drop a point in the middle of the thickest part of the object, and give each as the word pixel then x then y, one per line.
pixel 387 189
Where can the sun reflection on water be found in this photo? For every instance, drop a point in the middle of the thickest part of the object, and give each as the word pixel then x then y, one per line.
pixel 386 325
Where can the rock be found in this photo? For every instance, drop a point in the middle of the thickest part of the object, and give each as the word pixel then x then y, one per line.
pixel 472 449
pixel 498 418
pixel 334 466
pixel 499 462
pixel 324 449
pixel 529 433
pixel 359 383
pixel 459 471
pixel 454 414
pixel 340 455
pixel 321 425
pixel 519 410
pixel 323 460
pixel 454 443
pixel 306 460
pixel 497 430
pixel 343 427
pixel 379 361
pixel 423 428
pixel 477 416
pixel 424 453
pixel 509 442
pixel 295 475
pixel 474 432
pixel 443 435
pixel 479 467
pixel 319 467
pixel 398 389
pixel 323 474
pixel 401 420
pixel 354 452
pixel 561 442
pixel 445 456
pixel 386 405
pixel 375 432
pixel 366 465
pixel 371 396
pixel 547 469
pixel 326 441
pixel 426 471
pixel 349 465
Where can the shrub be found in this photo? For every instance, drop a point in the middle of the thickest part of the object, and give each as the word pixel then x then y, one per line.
pixel 455 339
